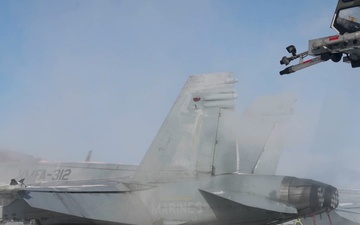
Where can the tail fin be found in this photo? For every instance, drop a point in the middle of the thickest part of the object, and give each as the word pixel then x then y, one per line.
pixel 186 142
pixel 262 132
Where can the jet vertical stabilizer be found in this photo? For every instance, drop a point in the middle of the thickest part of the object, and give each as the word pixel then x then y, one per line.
pixel 261 133
pixel 181 148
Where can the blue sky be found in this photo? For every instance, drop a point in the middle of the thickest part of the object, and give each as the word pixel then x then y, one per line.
pixel 102 75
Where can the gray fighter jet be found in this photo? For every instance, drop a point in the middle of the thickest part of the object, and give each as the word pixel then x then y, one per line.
pixel 195 172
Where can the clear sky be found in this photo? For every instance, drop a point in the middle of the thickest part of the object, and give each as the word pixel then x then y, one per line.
pixel 102 75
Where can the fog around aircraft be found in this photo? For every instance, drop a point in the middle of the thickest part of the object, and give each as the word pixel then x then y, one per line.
pixel 58 113
pixel 74 77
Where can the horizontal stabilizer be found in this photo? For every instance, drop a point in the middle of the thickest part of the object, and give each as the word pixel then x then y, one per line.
pixel 253 201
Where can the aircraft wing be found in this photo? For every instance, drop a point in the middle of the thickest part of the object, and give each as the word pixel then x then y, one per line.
pixel 261 134
pixel 96 200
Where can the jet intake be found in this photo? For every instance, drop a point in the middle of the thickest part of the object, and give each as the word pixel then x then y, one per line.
pixel 308 196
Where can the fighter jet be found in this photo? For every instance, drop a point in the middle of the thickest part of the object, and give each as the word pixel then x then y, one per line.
pixel 192 173
pixel 345 45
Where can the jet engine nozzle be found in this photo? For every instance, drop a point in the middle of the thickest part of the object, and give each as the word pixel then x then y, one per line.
pixel 308 196
pixel 331 200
